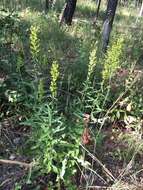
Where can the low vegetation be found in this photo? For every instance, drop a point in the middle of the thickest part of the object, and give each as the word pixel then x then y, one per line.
pixel 70 114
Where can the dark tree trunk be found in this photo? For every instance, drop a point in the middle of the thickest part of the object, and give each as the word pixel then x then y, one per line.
pixel 68 12
pixel 107 26
pixel 47 4
pixel 97 11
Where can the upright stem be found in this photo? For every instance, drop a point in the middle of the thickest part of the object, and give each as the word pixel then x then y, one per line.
pixel 97 11
pixel 47 4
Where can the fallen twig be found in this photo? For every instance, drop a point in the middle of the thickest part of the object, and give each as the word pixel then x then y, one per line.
pixel 6 181
pixel 14 162
pixel 97 187
pixel 109 174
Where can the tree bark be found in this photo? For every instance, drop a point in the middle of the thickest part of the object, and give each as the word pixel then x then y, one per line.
pixel 97 11
pixel 47 4
pixel 68 12
pixel 107 26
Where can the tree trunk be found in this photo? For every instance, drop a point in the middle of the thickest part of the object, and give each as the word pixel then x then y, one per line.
pixel 141 10
pixel 47 4
pixel 107 26
pixel 97 11
pixel 68 12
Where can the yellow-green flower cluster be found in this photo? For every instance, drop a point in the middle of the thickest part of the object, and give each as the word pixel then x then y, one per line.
pixel 54 77
pixel 92 63
pixel 34 42
pixel 112 60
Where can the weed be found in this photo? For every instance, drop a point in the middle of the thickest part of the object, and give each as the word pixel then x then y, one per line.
pixel 53 145
pixel 54 77
pixel 112 60
pixel 34 42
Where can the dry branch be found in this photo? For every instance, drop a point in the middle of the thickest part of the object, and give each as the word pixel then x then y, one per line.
pixel 14 162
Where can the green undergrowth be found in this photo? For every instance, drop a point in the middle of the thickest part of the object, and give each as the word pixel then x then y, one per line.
pixel 52 76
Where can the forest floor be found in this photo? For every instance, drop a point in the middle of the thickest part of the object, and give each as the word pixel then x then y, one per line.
pixel 113 172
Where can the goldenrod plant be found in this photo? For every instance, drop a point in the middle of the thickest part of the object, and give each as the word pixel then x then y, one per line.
pixel 54 77
pixel 70 116
pixel 92 63
pixel 112 59
pixel 34 42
